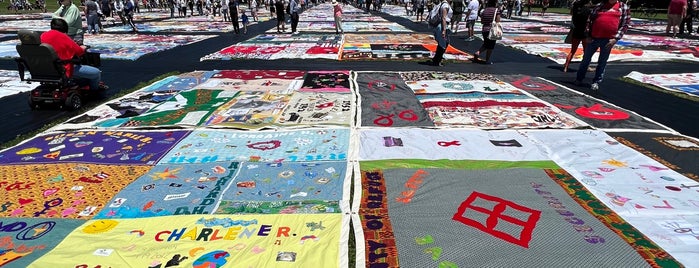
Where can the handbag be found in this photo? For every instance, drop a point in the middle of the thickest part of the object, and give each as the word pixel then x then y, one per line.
pixel 495 28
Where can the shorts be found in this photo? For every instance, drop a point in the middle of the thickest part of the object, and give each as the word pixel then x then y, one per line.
pixel 456 17
pixel 470 23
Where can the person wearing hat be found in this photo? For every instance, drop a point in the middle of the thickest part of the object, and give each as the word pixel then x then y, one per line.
pixel 337 11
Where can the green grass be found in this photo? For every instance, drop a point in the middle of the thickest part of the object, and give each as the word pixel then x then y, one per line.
pixel 88 106
pixel 51 6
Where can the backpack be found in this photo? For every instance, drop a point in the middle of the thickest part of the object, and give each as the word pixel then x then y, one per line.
pixel 435 16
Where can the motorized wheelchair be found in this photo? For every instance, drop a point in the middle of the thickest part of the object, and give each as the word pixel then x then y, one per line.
pixel 44 66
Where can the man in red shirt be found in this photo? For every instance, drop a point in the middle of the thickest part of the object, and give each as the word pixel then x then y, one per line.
pixel 607 23
pixel 66 49
pixel 675 12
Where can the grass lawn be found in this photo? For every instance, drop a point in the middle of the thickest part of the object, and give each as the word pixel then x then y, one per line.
pixel 51 6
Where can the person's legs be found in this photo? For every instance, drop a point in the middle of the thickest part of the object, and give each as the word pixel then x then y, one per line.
pixel 482 48
pixel 294 21
pixel 669 24
pixel 442 43
pixel 604 52
pixel 587 57
pixel 573 49
pixel 88 72
pixel 470 25
pixel 338 24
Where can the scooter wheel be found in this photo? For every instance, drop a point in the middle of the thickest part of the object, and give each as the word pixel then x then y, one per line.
pixel 73 102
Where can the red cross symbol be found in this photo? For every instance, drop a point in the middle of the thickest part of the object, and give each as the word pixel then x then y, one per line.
pixel 499 212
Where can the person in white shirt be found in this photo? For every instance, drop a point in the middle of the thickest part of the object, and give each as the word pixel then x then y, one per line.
pixel 471 17
pixel 253 9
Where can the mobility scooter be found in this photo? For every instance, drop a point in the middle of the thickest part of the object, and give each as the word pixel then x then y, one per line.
pixel 55 86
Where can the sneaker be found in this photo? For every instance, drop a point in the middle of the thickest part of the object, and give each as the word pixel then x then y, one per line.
pixel 594 86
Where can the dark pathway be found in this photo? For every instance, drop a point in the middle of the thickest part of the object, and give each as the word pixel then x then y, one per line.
pixel 677 113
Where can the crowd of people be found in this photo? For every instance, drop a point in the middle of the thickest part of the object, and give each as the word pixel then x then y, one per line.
pixel 596 25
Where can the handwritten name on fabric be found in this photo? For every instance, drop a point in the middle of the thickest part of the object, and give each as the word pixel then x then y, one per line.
pixel 246 240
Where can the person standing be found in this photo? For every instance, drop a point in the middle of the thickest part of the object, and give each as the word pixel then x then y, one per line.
pixel 675 12
pixel 294 8
pixel 518 8
pixel 458 7
pixel 92 11
pixel 245 20
pixel 224 10
pixel 687 20
pixel 337 12
pixel 441 32
pixel 580 12
pixel 253 9
pixel 471 17
pixel 420 10
pixel 70 13
pixel 233 6
pixel 490 13
pixel 606 25
pixel 281 16
pixel 544 7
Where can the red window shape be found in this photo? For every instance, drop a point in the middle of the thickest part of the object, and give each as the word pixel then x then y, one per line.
pixel 497 211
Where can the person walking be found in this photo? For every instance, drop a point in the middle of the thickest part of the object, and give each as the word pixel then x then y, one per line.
pixel 337 12
pixel 580 12
pixel 675 13
pixel 490 13
pixel 70 13
pixel 607 24
pixel 294 9
pixel 471 17
pixel 129 9
pixel 441 31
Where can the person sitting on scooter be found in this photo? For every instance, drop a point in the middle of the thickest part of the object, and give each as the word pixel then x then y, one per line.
pixel 66 49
